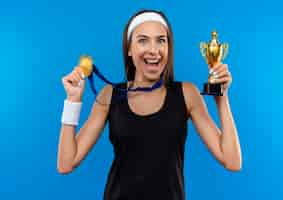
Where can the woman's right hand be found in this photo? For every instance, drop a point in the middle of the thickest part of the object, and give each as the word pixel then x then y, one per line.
pixel 74 85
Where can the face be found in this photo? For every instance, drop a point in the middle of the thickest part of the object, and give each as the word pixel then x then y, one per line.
pixel 149 50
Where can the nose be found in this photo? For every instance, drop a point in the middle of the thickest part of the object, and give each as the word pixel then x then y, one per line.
pixel 153 49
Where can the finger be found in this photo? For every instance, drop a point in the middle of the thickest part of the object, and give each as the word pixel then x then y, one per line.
pixel 218 68
pixel 67 82
pixel 67 79
pixel 222 73
pixel 81 83
pixel 80 71
pixel 76 78
pixel 78 75
pixel 222 80
pixel 71 80
pixel 214 68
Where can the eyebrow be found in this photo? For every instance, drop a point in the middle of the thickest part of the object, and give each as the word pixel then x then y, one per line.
pixel 145 36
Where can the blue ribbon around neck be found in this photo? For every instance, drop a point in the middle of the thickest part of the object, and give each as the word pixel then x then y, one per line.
pixel 122 91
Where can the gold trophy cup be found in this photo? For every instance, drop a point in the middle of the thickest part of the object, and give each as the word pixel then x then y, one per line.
pixel 213 52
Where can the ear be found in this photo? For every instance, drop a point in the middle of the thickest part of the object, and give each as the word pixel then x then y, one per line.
pixel 129 52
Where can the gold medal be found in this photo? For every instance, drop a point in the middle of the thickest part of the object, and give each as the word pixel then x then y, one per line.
pixel 86 64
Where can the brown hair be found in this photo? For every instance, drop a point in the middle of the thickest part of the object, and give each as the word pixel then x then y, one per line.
pixel 168 73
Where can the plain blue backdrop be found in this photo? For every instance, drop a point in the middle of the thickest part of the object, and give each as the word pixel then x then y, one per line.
pixel 41 41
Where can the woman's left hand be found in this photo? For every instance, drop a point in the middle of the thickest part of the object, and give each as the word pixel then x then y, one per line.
pixel 221 74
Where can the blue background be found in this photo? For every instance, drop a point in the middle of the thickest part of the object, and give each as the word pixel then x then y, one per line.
pixel 40 42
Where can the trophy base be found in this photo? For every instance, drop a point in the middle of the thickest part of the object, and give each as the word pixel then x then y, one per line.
pixel 215 89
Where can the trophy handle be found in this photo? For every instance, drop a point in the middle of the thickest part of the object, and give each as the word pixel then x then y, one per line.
pixel 203 49
pixel 225 48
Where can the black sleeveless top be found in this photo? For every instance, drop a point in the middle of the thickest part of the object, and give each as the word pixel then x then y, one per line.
pixel 148 150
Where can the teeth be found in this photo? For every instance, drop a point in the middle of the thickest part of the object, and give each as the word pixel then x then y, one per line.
pixel 148 61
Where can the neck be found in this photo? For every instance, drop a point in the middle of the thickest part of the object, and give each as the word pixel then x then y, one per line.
pixel 143 83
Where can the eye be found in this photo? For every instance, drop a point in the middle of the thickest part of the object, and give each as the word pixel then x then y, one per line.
pixel 142 40
pixel 162 40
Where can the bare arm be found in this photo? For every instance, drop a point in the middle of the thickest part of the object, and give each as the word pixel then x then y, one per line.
pixel 224 144
pixel 73 148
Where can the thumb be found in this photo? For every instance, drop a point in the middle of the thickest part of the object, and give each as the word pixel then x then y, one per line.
pixel 82 83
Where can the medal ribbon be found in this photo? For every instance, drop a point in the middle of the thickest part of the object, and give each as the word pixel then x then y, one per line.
pixel 122 91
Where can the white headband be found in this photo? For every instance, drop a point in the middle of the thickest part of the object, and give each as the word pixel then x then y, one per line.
pixel 147 16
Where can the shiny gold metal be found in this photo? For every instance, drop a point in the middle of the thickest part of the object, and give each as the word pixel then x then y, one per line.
pixel 86 64
pixel 213 52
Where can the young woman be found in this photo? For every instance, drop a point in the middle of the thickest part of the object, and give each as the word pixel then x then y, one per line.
pixel 148 130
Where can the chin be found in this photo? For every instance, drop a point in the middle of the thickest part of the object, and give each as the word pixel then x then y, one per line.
pixel 152 76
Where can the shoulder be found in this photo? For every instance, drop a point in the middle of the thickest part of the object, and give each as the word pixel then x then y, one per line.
pixel 107 89
pixel 189 87
pixel 186 86
pixel 104 96
pixel 191 94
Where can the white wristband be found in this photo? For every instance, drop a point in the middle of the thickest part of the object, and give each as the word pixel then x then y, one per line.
pixel 71 112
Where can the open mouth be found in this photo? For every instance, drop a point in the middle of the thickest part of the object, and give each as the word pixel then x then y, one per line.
pixel 152 62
